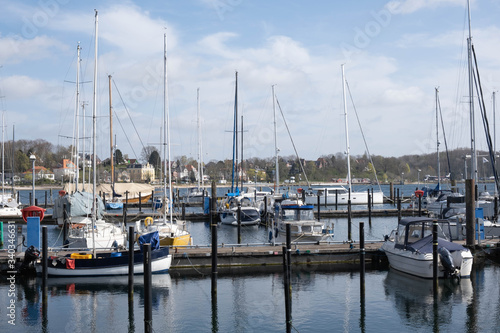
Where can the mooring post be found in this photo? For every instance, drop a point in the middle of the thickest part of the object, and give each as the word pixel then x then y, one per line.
pixel 369 208
pixel 1 234
pixel 265 211
pixel 399 207
pixel 65 227
pixel 336 200
pixel 319 209
pixel 419 206
pixel 31 199
pixel 288 267
pixel 183 211
pixel 362 256
pixel 239 222
pixel 213 227
pixel 288 312
pixel 349 227
pixel 45 255
pixel 45 204
pixel 326 198
pixel 153 200
pixel 125 213
pixel 130 262
pixel 140 202
pixel 435 256
pixel 213 208
pixel 470 211
pixel 103 198
pixel 148 295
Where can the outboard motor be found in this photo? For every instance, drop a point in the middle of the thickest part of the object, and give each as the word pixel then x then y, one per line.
pixel 447 262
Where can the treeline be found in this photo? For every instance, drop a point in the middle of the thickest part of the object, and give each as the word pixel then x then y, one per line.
pixel 325 168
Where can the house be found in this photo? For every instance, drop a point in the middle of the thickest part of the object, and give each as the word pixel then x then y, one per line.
pixel 40 173
pixel 66 169
pixel 140 172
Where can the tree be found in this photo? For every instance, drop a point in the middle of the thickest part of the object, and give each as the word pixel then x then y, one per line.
pixel 146 153
pixel 118 157
pixel 155 160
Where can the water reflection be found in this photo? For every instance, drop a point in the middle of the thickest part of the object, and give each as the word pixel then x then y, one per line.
pixel 415 301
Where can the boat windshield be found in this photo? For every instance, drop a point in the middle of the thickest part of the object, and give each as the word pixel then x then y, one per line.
pixel 297 214
pixel 413 232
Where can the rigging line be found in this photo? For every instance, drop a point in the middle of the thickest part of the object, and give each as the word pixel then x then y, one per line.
pixel 128 113
pixel 293 144
pixel 479 90
pixel 444 138
pixel 363 135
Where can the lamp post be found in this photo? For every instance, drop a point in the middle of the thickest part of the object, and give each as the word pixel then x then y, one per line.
pixel 33 159
pixel 418 177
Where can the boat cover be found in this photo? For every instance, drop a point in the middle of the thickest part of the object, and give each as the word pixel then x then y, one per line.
pixel 424 245
pixel 77 204
pixel 152 238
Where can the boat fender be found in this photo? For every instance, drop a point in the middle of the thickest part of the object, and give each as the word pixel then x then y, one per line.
pixel 446 259
pixel 148 221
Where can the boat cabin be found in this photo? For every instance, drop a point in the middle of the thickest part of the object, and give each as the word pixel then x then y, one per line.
pixel 297 213
pixel 411 231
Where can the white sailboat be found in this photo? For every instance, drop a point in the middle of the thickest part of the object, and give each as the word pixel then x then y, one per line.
pixel 171 233
pixel 103 262
pixel 339 194
pixel 8 203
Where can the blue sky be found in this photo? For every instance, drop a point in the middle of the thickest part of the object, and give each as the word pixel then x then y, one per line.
pixel 395 54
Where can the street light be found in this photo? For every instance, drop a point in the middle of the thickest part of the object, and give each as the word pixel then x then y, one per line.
pixel 33 159
pixel 418 177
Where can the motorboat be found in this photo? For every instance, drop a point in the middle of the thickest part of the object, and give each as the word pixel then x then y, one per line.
pixel 409 249
pixel 303 226
pixel 170 233
pixel 228 210
pixel 338 194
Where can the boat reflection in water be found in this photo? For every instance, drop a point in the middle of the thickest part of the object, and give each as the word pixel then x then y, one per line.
pixel 413 298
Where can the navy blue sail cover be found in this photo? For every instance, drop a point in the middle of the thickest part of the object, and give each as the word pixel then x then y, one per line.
pixel 424 245
pixel 152 238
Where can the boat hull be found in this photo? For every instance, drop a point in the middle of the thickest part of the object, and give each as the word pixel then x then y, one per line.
pixel 249 216
pixel 421 264
pixel 107 266
pixel 357 198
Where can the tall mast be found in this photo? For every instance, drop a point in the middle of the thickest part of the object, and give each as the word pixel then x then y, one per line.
pixel 346 132
pixel 94 124
pixel 3 160
pixel 241 162
pixel 111 138
pixel 471 100
pixel 77 123
pixel 200 168
pixel 437 142
pixel 235 137
pixel 166 130
pixel 276 149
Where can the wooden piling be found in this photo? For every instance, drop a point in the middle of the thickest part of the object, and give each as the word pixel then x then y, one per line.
pixel 319 209
pixel 140 202
pixel 45 255
pixel 435 256
pixel 213 227
pixel 148 295
pixel 131 262
pixel 470 212
pixel 349 227
pixel 239 222
pixel 362 256
pixel 369 208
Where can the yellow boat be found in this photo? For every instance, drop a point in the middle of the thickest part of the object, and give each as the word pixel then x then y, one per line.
pixel 171 234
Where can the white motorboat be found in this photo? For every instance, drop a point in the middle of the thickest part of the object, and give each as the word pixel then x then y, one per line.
pixel 338 194
pixel 228 211
pixel 409 249
pixel 303 226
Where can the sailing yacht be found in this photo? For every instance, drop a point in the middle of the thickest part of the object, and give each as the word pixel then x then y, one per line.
pixel 235 201
pixel 339 194
pixel 170 233
pixel 8 204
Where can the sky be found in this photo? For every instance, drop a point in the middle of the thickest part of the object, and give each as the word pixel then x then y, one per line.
pixel 395 54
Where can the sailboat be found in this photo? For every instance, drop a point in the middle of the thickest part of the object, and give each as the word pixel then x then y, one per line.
pixel 104 262
pixel 8 204
pixel 234 200
pixel 339 194
pixel 115 202
pixel 170 233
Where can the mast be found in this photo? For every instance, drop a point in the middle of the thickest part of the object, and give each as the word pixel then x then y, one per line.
pixel 241 163
pixel 3 160
pixel 437 142
pixel 276 150
pixel 111 139
pixel 83 148
pixel 94 124
pixel 471 100
pixel 346 132
pixel 166 131
pixel 77 123
pixel 200 167
pixel 235 137
pixel 13 158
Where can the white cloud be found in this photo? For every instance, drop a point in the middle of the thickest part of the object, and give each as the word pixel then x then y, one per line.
pixel 411 6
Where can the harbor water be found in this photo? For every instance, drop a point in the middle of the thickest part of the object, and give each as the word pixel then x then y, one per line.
pixel 324 298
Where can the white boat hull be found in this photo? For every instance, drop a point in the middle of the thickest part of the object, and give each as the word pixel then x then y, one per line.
pixel 357 198
pixel 421 264
pixel 249 216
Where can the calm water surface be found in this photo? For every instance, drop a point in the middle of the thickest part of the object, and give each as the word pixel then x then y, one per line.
pixel 323 300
